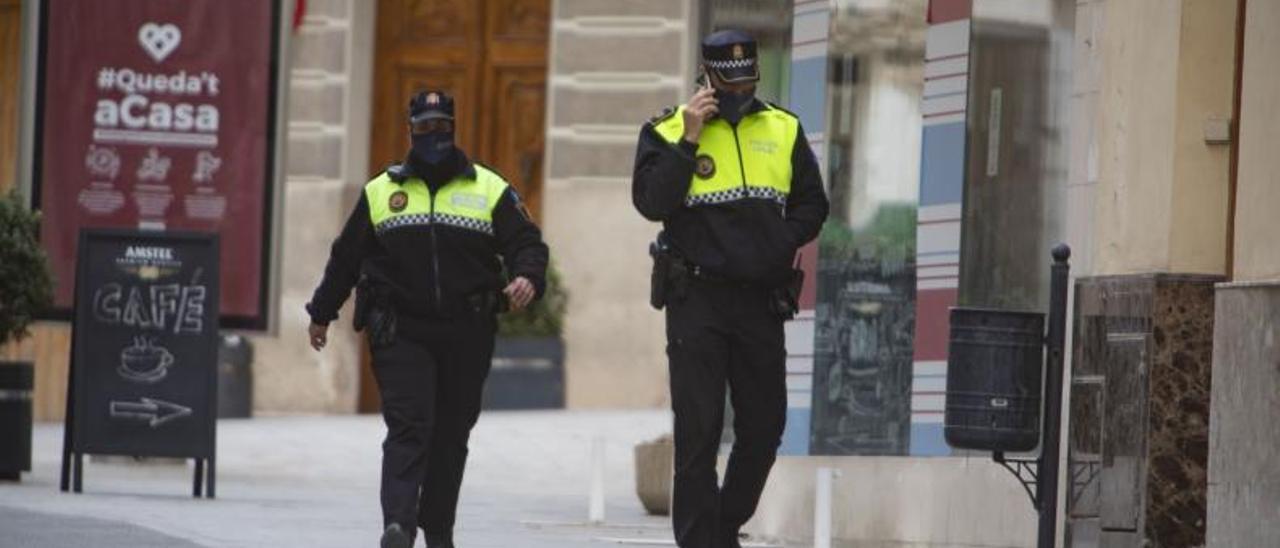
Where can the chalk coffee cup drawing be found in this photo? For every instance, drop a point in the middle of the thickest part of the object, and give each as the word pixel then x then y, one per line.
pixel 144 361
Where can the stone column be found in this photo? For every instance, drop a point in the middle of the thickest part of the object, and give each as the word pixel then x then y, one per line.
pixel 1244 425
pixel 1144 320
pixel 326 152
pixel 614 64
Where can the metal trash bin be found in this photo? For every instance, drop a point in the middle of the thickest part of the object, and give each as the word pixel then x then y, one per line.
pixel 17 379
pixel 235 377
pixel 994 372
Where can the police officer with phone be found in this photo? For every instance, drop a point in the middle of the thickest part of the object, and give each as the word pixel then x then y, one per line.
pixel 738 191
pixel 437 246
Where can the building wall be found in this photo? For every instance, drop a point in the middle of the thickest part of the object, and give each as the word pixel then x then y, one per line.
pixel 327 143
pixel 1244 494
pixel 614 64
pixel 1140 398
pixel 1258 182
pixel 1162 195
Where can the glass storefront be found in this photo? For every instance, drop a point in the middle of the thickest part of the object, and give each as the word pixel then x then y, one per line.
pixel 943 140
pixel 1016 172
pixel 866 268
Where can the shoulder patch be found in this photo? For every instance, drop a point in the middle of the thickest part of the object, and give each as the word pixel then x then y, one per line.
pixel 519 203
pixel 775 106
pixel 663 115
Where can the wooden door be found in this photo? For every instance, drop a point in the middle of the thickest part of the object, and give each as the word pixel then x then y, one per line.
pixel 491 55
pixel 10 88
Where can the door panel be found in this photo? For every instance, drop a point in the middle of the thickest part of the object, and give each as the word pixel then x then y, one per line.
pixel 10 71
pixel 1124 420
pixel 515 93
pixel 491 55
pixel 517 130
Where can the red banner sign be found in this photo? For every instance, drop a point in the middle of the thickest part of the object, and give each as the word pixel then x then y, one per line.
pixel 157 114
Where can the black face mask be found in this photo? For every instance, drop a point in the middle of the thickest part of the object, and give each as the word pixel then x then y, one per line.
pixel 733 106
pixel 433 148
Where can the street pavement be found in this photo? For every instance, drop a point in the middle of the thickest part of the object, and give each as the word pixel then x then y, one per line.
pixel 313 481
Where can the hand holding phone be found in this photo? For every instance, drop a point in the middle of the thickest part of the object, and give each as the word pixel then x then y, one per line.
pixel 701 107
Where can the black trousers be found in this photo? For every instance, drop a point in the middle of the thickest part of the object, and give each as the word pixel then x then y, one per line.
pixel 720 335
pixel 431 380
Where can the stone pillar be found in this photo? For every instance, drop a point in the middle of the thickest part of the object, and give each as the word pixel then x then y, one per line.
pixel 1244 492
pixel 326 152
pixel 614 64
pixel 1144 320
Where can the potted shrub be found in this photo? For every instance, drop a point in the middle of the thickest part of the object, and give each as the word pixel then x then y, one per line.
pixel 528 359
pixel 26 289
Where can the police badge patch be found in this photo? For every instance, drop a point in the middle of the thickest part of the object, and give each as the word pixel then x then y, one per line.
pixel 704 166
pixel 398 201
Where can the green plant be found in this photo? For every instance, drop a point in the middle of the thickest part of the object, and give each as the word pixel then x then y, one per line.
pixel 543 318
pixel 26 286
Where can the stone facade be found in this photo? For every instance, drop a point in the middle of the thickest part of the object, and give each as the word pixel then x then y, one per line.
pixel 1244 425
pixel 325 158
pixel 614 63
pixel 1244 433
pixel 1138 454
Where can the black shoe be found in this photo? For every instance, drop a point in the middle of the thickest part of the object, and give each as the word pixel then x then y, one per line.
pixel 732 541
pixel 395 537
pixel 438 541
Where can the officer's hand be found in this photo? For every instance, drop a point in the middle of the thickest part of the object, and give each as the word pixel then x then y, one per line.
pixel 700 108
pixel 520 292
pixel 319 335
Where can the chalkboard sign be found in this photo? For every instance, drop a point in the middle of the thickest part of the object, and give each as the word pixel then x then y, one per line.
pixel 145 345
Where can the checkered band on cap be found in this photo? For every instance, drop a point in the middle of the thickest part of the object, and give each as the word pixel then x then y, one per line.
pixel 731 64
pixel 735 194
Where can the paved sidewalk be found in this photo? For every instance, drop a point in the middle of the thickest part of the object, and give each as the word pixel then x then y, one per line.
pixel 312 481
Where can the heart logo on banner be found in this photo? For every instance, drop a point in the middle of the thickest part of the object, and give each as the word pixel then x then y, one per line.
pixel 159 40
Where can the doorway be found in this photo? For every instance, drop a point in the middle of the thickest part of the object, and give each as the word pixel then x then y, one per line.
pixel 491 55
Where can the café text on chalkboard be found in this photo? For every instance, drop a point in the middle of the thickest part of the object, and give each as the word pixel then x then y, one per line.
pixel 145 344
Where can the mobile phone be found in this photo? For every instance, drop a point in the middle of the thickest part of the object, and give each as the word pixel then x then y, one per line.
pixel 702 82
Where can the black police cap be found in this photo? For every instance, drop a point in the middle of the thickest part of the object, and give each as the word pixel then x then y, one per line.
pixel 731 55
pixel 430 105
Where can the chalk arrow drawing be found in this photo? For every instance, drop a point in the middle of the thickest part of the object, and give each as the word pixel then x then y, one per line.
pixel 156 411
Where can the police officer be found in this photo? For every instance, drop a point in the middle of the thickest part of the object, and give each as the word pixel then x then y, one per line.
pixel 427 244
pixel 737 189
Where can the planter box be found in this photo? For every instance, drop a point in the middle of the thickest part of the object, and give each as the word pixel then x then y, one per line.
pixel 17 379
pixel 527 373
pixel 654 462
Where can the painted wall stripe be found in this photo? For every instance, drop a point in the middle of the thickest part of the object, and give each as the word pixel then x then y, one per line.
pixel 943 212
pixel 946 283
pixel 929 368
pixel 938 237
pixel 810 24
pixel 947 86
pixel 942 11
pixel 928 384
pixel 944 104
pixel 938 259
pixel 952 68
pixel 947 40
pixel 942 171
